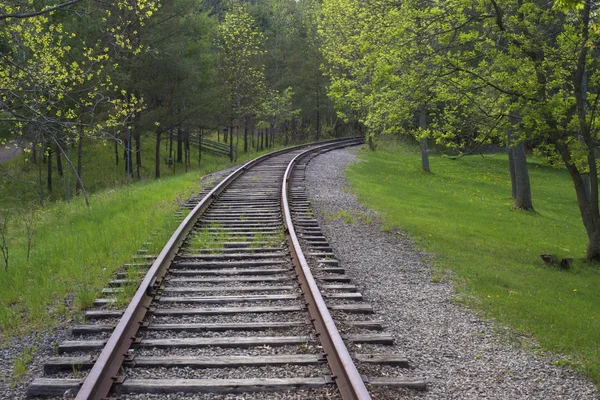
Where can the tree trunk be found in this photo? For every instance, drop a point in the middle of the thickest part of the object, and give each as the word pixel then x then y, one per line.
pixel 59 166
pixel 138 154
pixel 245 138
pixel 318 115
pixel 523 200
pixel 200 146
pixel 587 184
pixel 179 146
pixel 157 155
pixel 49 174
pixel 230 144
pixel 128 156
pixel 424 150
pixel 78 187
pixel 511 167
pixel 272 138
pixel 522 184
pixel 588 209
pixel 171 144
pixel 266 138
pixel 186 150
pixel 237 142
pixel 41 181
pixel 593 247
pixel 116 153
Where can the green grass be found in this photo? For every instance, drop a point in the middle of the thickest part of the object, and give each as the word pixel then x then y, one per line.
pixel 205 240
pixel 21 365
pixel 77 249
pixel 463 215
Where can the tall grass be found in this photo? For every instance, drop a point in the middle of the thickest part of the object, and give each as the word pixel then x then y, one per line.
pixel 463 214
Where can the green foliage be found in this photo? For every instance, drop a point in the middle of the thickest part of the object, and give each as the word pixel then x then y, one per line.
pixel 341 214
pixel 178 76
pixel 84 297
pixel 277 109
pixel 471 70
pixel 240 62
pixel 467 201
pixel 78 249
pixel 57 79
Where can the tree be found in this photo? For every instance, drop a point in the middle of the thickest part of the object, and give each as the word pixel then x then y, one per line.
pixel 55 80
pixel 277 109
pixel 539 61
pixel 529 68
pixel 307 79
pixel 176 76
pixel 380 65
pixel 240 65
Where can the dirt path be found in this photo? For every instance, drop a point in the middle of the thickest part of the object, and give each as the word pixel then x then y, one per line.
pixel 7 154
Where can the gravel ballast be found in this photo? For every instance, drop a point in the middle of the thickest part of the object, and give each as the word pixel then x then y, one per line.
pixel 456 352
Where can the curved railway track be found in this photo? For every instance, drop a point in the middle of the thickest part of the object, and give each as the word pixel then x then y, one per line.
pixel 240 300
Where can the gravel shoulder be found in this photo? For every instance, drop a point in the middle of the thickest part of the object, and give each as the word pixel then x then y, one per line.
pixel 460 355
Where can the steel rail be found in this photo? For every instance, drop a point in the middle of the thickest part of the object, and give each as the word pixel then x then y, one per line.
pixel 105 371
pixel 346 376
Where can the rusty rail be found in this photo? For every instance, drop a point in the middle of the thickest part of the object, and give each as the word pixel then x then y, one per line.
pixel 104 373
pixel 347 378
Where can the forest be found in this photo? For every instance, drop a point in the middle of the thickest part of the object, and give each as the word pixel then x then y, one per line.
pixel 133 74
pixel 455 74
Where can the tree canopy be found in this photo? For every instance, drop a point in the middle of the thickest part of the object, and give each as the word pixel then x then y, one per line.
pixel 458 74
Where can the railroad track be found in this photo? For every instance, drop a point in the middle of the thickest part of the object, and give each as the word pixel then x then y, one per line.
pixel 233 304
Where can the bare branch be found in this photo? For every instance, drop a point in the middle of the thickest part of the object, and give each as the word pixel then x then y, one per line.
pixel 37 13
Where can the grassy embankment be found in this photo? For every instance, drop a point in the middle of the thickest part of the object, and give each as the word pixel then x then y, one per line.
pixel 463 215
pixel 75 249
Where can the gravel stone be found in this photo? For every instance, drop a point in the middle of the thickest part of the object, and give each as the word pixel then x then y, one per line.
pixel 459 355
pixel 44 345
pixel 274 303
pixel 304 330
pixel 230 318
pixel 282 372
pixel 327 393
pixel 307 348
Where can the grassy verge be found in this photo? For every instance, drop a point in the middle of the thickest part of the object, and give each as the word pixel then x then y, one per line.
pixel 462 213
pixel 76 249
